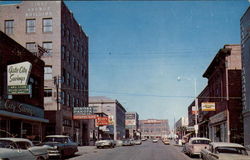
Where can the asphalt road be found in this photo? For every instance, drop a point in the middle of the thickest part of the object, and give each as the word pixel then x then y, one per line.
pixel 146 151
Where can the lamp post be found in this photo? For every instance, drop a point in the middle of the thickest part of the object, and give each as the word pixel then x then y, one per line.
pixel 196 127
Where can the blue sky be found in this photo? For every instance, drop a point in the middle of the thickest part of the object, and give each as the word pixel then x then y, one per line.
pixel 138 49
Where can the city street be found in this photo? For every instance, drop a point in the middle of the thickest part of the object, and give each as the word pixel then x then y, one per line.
pixel 146 151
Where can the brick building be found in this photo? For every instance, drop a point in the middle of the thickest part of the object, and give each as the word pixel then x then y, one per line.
pixel 224 88
pixel 51 25
pixel 21 115
pixel 154 128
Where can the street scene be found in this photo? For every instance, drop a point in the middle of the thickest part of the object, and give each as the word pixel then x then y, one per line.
pixel 125 80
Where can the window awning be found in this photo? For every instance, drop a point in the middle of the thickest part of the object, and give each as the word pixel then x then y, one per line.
pixel 21 116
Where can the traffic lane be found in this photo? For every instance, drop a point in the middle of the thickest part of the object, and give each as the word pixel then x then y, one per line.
pixel 146 151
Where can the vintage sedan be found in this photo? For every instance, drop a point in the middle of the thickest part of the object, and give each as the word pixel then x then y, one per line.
pixel 195 145
pixel 105 143
pixel 224 151
pixel 60 146
pixel 21 149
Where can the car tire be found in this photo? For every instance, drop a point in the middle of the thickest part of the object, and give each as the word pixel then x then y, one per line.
pixel 40 158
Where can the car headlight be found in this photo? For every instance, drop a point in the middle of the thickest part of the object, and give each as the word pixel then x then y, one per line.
pixel 55 147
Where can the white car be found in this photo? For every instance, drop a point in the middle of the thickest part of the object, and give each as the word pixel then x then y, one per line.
pixel 194 146
pixel 105 143
pixel 224 151
pixel 21 149
pixel 155 140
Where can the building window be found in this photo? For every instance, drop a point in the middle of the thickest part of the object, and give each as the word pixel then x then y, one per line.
pixel 68 34
pixel 73 82
pixel 73 102
pixel 68 79
pixel 30 25
pixel 48 47
pixel 63 29
pixel 73 62
pixel 67 122
pixel 62 97
pixel 68 57
pixel 48 73
pixel 63 52
pixel 31 46
pixel 47 25
pixel 47 92
pixel 68 100
pixel 9 26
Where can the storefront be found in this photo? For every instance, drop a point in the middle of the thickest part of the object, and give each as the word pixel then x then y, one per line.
pixel 218 127
pixel 21 120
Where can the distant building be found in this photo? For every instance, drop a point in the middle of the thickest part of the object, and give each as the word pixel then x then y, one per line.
pixel 21 115
pixel 181 127
pixel 154 128
pixel 132 125
pixel 114 110
pixel 50 25
pixel 245 44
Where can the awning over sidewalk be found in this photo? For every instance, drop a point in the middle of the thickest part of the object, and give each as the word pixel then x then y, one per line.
pixel 21 116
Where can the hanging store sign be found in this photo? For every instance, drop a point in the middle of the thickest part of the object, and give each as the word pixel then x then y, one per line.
pixel 194 110
pixel 83 113
pixel 102 121
pixel 17 78
pixel 130 122
pixel 208 106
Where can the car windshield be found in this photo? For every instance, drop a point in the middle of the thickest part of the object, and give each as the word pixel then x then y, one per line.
pixel 200 142
pixel 231 150
pixel 55 139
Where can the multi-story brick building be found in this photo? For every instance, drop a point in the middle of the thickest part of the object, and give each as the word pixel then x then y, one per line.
pixel 51 24
pixel 154 128
pixel 21 115
pixel 224 88
pixel 245 44
pixel 114 110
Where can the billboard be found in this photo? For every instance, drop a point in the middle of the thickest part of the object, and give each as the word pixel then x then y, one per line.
pixel 208 106
pixel 194 110
pixel 17 78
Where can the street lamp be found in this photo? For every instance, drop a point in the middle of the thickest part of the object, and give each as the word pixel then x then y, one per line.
pixel 196 127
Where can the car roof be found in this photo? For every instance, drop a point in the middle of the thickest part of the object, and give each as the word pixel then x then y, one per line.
pixel 16 139
pixel 199 138
pixel 225 144
pixel 58 136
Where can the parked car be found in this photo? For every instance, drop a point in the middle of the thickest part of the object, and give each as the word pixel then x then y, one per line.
pixel 118 143
pixel 155 140
pixel 138 142
pixel 224 151
pixel 166 141
pixel 60 145
pixel 105 143
pixel 144 139
pixel 194 146
pixel 21 149
pixel 127 142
